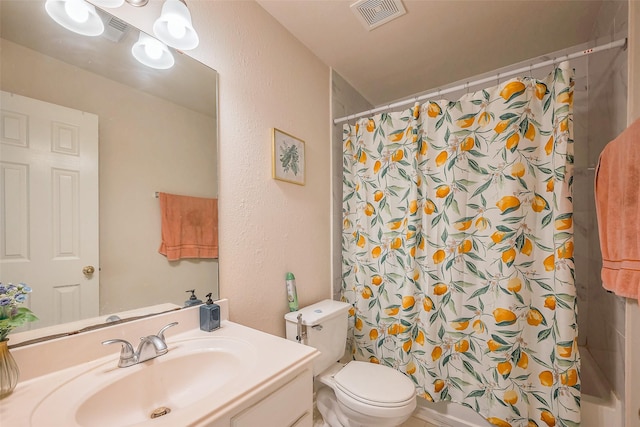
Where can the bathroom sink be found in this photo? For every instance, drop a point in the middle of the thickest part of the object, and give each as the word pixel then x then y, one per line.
pixel 192 370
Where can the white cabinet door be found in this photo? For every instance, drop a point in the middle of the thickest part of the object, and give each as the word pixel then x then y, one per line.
pixel 305 421
pixel 49 206
pixel 291 405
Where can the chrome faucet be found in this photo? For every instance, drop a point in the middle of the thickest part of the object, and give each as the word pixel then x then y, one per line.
pixel 150 346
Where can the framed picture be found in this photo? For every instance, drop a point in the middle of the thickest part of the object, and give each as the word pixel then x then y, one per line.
pixel 288 158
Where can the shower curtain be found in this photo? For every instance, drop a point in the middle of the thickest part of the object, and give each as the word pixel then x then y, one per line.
pixel 458 249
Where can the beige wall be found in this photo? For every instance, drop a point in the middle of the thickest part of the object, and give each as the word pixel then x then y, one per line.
pixel 137 157
pixel 268 79
pixel 267 227
pixel 632 402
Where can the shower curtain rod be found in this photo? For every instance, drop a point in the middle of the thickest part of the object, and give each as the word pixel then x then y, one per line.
pixel 612 45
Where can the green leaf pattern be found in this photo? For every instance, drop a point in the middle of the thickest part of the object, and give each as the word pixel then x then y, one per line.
pixel 289 158
pixel 458 249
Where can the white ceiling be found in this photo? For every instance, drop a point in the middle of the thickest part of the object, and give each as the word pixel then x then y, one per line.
pixel 435 42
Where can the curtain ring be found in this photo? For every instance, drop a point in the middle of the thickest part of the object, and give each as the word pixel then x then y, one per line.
pixel 466 86
pixel 498 77
pixel 531 71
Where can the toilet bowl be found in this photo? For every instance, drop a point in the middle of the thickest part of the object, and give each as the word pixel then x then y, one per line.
pixel 356 394
pixel 363 394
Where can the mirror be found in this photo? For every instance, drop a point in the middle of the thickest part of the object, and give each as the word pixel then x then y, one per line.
pixel 156 132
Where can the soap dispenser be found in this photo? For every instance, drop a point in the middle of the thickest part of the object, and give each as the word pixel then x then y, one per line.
pixel 193 300
pixel 209 315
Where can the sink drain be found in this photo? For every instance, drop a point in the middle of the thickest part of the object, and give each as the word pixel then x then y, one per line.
pixel 163 410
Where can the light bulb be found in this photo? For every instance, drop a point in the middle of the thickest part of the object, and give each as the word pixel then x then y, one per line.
pixel 176 28
pixel 153 50
pixel 77 10
pixel 75 15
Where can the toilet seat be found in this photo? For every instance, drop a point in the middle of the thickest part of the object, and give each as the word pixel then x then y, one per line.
pixel 350 406
pixel 375 390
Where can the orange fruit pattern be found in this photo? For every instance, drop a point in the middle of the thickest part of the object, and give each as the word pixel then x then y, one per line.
pixel 457 249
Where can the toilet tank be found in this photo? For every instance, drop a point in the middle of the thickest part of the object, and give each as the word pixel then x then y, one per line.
pixel 326 327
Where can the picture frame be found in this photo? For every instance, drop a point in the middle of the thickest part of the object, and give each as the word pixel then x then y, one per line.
pixel 288 157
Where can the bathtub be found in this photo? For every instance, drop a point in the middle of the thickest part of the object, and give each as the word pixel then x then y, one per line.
pixel 599 405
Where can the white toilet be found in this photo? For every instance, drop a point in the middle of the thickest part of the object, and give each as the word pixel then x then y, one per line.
pixel 358 394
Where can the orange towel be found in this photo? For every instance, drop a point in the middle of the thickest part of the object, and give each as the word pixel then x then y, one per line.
pixel 617 189
pixel 189 227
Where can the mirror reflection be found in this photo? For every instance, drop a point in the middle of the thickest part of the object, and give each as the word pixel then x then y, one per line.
pixel 89 135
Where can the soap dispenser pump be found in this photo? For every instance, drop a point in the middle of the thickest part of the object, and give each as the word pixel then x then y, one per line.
pixel 209 315
pixel 193 300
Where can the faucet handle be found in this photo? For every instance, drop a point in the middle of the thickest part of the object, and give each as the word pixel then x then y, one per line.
pixel 127 349
pixel 160 334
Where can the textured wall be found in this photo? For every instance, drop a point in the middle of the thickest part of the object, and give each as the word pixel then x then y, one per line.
pixel 269 79
pixel 267 227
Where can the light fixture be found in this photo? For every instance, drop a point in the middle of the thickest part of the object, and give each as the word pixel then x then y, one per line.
pixel 174 27
pixel 112 4
pixel 137 3
pixel 152 53
pixel 75 15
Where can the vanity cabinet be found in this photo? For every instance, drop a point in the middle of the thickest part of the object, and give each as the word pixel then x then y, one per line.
pixel 232 377
pixel 290 405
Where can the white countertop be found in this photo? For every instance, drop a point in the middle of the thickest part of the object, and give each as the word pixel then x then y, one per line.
pixel 275 357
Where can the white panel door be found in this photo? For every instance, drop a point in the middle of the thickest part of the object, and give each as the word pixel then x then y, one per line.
pixel 49 206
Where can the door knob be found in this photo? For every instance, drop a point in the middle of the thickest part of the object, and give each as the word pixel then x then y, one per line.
pixel 88 270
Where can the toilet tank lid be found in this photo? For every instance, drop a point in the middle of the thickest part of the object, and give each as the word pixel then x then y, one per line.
pixel 319 312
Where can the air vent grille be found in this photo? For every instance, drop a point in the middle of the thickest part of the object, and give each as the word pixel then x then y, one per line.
pixel 114 28
pixel 373 13
pixel 118 24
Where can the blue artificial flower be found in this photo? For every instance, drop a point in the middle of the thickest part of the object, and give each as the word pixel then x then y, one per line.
pixel 11 316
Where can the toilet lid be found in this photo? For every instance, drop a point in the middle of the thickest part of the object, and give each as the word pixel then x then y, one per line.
pixel 377 384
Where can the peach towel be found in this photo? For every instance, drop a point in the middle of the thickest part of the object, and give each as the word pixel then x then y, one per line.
pixel 189 227
pixel 617 189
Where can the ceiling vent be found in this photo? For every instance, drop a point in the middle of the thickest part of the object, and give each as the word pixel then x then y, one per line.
pixel 114 28
pixel 373 13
